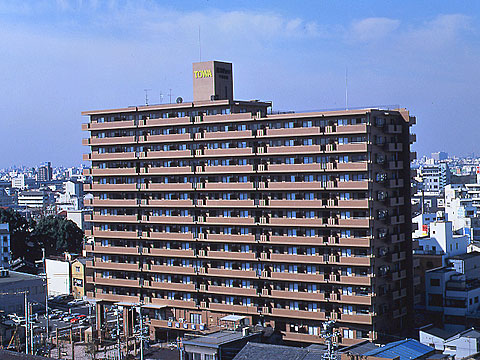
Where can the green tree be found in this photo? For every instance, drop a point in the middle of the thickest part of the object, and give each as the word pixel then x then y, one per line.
pixel 20 231
pixel 57 235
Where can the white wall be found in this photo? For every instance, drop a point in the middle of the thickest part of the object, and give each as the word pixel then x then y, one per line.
pixel 58 277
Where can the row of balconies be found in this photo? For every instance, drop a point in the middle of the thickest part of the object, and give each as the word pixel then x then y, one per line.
pixel 240 221
pixel 294 204
pixel 324 241
pixel 237 186
pixel 234 273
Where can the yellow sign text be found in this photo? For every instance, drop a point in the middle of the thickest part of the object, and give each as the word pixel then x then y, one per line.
pixel 202 74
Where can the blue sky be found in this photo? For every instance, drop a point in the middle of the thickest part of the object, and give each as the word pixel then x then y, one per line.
pixel 62 57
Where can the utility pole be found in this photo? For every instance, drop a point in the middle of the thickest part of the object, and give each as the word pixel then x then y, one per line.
pixel 141 330
pixel 328 334
pixel 46 302
pixel 26 325
pixel 30 314
pixel 72 342
pixel 119 344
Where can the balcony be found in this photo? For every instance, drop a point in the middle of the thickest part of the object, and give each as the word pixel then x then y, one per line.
pixel 175 253
pixel 170 286
pixel 398 294
pixel 397 238
pixel 352 166
pixel 397 201
pixel 244 274
pixel 170 187
pixel 181 304
pixel 169 203
pixel 240 309
pixel 395 165
pixel 222 135
pixel 351 129
pixel 172 154
pixel 120 250
pixel 399 275
pixel 355 299
pixel 226 152
pixel 302 131
pixel 355 260
pixel 300 149
pixel 225 290
pixel 168 236
pixel 289 258
pixel 228 186
pixel 315 185
pixel 117 282
pixel 286 276
pixel 230 169
pixel 229 203
pixel 354 280
pixel 115 218
pixel 395 183
pixel 117 298
pixel 167 219
pixel 230 238
pixel 116 234
pixel 397 220
pixel 184 120
pixel 296 240
pixel 393 129
pixel 396 147
pixel 229 255
pixel 178 170
pixel 109 265
pixel 168 269
pixel 296 221
pixel 164 138
pixel 110 156
pixel 114 172
pixel 352 147
pixel 294 168
pixel 111 140
pixel 110 187
pixel 298 314
pixel 399 256
pixel 357 318
pixel 351 185
pixel 230 220
pixel 298 295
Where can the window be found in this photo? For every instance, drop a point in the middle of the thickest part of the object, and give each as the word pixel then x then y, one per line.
pixel 434 282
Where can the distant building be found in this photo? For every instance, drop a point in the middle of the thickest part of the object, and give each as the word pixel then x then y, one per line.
pixel 442 241
pixel 35 199
pixel 45 172
pixel 435 177
pixel 5 255
pixel 439 156
pixel 6 200
pixel 22 182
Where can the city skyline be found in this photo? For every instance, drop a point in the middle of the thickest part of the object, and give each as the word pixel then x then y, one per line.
pixel 89 55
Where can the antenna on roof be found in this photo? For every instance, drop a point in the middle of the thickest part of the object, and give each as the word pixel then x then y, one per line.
pixel 346 88
pixel 199 44
pixel 146 95
pixel 161 97
pixel 170 95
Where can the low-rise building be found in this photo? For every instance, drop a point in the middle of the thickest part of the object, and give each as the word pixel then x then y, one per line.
pixel 58 276
pixel 459 344
pixel 79 278
pixel 451 298
pixel 13 285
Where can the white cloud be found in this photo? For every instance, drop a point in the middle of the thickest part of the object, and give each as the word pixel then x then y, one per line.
pixel 373 29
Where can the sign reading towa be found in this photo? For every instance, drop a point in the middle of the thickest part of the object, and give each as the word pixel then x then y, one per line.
pixel 202 74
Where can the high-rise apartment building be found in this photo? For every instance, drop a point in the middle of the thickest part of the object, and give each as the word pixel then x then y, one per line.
pixel 215 207
pixel 45 172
